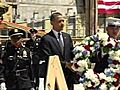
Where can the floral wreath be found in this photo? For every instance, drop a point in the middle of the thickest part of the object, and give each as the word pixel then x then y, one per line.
pixel 107 80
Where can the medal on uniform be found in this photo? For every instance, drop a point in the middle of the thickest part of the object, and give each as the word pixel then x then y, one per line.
pixel 24 53
pixel 36 44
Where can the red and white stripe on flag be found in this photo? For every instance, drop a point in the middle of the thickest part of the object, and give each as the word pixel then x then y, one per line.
pixel 108 6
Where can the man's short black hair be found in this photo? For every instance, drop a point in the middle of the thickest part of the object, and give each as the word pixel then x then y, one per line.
pixel 52 17
pixel 33 30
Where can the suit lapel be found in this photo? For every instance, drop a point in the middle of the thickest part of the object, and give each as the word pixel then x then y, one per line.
pixel 65 42
pixel 55 41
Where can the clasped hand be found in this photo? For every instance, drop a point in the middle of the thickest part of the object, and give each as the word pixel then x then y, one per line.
pixel 70 66
pixel 3 86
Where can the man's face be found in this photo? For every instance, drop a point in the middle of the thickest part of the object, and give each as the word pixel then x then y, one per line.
pixel 58 23
pixel 33 35
pixel 113 31
pixel 16 40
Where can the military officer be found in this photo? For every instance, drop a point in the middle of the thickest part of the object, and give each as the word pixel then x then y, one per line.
pixel 32 44
pixel 17 63
pixel 113 30
pixel 34 40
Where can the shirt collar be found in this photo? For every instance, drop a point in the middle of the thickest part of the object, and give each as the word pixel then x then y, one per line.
pixel 55 32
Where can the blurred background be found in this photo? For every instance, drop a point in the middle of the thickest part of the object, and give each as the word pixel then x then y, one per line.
pixel 82 17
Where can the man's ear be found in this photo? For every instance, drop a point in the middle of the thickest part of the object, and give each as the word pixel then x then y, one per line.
pixel 51 23
pixel 107 28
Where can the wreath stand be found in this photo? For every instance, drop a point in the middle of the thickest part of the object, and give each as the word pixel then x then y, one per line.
pixel 55 75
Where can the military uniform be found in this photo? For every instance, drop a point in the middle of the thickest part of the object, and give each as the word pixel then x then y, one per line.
pixel 33 46
pixel 17 66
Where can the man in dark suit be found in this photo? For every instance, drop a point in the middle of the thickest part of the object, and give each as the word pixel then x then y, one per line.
pixel 58 43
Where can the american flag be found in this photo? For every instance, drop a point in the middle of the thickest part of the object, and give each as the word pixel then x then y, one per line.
pixel 108 6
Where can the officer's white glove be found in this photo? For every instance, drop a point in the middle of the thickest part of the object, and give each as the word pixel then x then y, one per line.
pixel 2 86
pixel 32 89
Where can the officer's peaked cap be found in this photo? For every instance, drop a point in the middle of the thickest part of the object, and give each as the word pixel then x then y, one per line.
pixel 15 32
pixel 33 30
pixel 113 22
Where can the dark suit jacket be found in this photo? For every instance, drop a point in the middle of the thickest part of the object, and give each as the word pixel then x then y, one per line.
pixel 33 46
pixel 49 46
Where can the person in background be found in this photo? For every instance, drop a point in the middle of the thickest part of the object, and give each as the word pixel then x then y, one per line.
pixel 58 43
pixel 32 44
pixel 2 80
pixel 16 61
pixel 113 30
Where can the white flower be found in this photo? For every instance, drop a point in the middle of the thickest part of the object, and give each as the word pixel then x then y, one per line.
pixel 111 52
pixel 96 81
pixel 85 41
pixel 102 36
pixel 102 76
pixel 91 42
pixel 83 65
pixel 110 79
pixel 117 69
pixel 115 55
pixel 77 48
pixel 92 49
pixel 104 43
pixel 89 74
pixel 103 87
pixel 78 55
pixel 93 77
pixel 113 88
pixel 79 86
pixel 109 71
pixel 112 66
pixel 89 84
